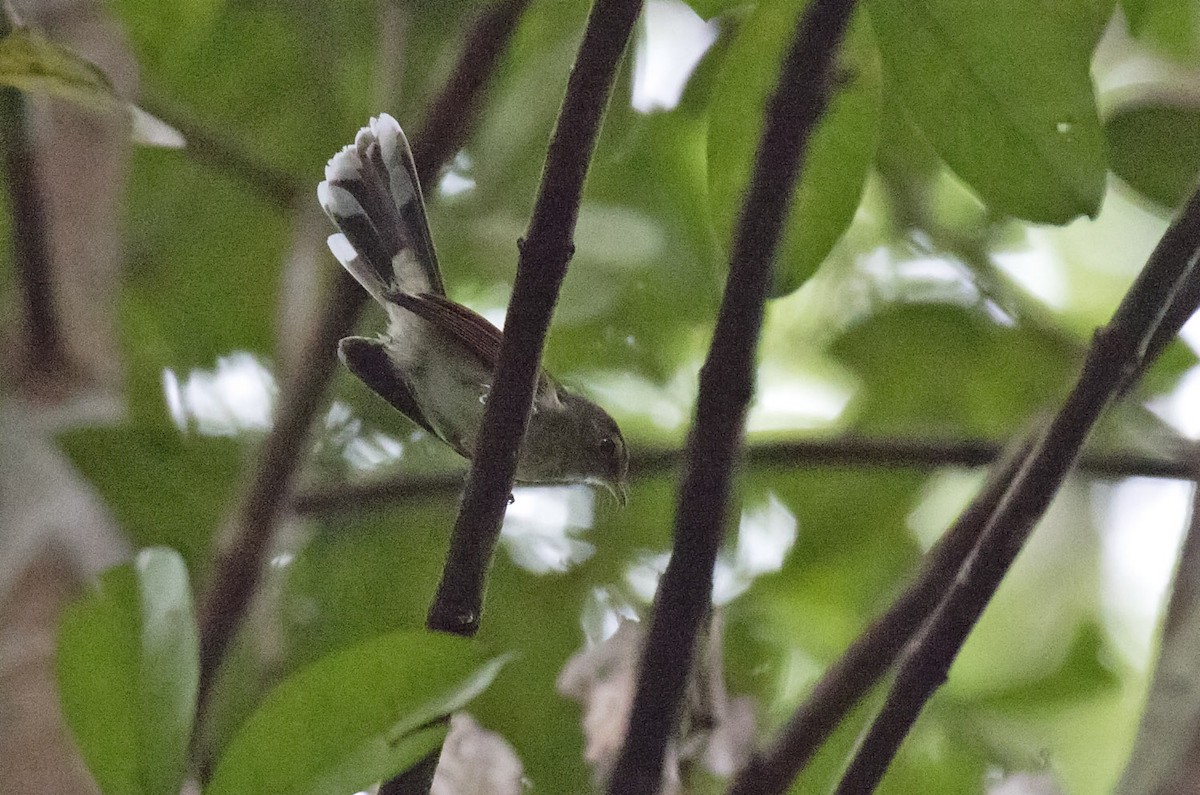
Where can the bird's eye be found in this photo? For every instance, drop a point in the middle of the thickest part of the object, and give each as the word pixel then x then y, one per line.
pixel 608 446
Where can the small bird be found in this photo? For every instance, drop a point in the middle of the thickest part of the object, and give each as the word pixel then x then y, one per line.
pixel 435 361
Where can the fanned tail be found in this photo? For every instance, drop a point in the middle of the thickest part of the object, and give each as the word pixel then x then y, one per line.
pixel 372 193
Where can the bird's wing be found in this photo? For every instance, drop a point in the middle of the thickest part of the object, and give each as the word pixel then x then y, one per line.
pixel 368 359
pixel 470 328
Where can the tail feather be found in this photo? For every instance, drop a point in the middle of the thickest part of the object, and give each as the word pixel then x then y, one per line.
pixel 356 266
pixel 371 192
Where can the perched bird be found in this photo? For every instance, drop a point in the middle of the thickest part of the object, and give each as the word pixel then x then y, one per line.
pixel 436 359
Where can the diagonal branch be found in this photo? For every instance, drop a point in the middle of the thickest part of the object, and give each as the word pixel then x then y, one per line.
pixel 1118 353
pixel 839 451
pixel 240 561
pixel 726 384
pixel 541 267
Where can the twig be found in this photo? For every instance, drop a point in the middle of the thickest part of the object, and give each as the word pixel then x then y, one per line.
pixel 239 563
pixel 875 650
pixel 211 149
pixel 1118 352
pixel 541 267
pixel 726 385
pixel 855 451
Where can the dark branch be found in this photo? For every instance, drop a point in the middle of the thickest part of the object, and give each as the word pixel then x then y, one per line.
pixel 844 451
pixel 211 149
pixel 541 267
pixel 1183 306
pixel 240 561
pixel 1118 352
pixel 726 384
pixel 870 656
pixel 44 347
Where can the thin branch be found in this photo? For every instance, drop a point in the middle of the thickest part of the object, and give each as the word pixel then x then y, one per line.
pixel 875 650
pixel 541 267
pixel 843 451
pixel 726 385
pixel 44 348
pixel 208 147
pixel 1118 353
pixel 240 561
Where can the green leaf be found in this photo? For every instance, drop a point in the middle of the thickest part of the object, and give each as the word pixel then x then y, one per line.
pixel 355 717
pixel 128 668
pixel 1156 149
pixel 1080 674
pixel 940 370
pixel 353 555
pixel 1170 26
pixel 1003 92
pixel 1135 11
pixel 838 156
pixel 164 487
pixel 707 9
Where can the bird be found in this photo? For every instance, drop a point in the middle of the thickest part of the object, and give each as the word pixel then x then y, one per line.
pixel 435 361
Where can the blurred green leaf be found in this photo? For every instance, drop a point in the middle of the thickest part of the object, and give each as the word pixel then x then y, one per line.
pixel 838 156
pixel 1135 11
pixel 1082 674
pixel 852 548
pixel 203 277
pixel 128 668
pixel 941 370
pixel 355 717
pixel 163 487
pixel 1003 92
pixel 1172 27
pixel 707 9
pixel 903 151
pixel 167 33
pixel 1156 149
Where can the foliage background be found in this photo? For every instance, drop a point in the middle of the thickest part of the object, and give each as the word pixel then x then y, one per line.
pixel 935 315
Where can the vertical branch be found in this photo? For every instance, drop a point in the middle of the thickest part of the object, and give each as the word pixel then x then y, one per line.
pixel 542 264
pixel 44 349
pixel 240 561
pixel 726 383
pixel 877 648
pixel 1118 352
